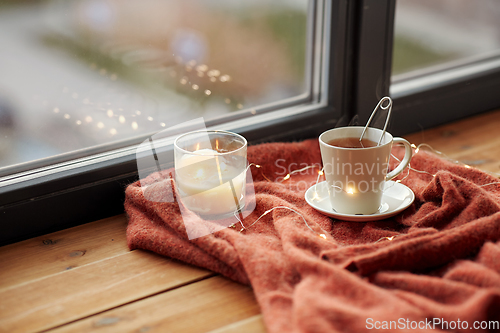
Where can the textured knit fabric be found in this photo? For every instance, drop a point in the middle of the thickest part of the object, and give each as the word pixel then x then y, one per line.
pixel 443 262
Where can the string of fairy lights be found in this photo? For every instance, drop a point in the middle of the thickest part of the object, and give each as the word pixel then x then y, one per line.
pixel 321 173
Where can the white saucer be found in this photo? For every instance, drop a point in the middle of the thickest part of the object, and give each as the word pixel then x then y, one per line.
pixel 396 198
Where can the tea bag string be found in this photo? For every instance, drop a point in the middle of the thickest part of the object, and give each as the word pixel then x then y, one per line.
pixel 381 106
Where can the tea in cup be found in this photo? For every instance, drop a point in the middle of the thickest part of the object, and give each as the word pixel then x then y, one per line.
pixel 356 171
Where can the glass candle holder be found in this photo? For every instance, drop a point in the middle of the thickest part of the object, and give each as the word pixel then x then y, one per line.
pixel 210 172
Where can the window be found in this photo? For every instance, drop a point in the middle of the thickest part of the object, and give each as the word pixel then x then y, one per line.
pixel 446 61
pixel 442 33
pixel 78 74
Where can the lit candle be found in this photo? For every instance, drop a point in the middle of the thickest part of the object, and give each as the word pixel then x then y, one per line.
pixel 209 184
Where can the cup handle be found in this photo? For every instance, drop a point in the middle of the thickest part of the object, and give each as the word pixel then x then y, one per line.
pixel 404 163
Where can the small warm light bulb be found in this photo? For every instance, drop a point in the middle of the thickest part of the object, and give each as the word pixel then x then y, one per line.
pixel 202 68
pixel 56 110
pixel 321 173
pixel 208 92
pixel 150 118
pixel 257 166
pixel 88 119
pixel 163 124
pixel 413 145
pixel 195 87
pixel 390 238
pixel 110 113
pixel 322 236
pixel 197 146
pixel 112 131
pixel 100 125
pixel 138 112
pixel 467 166
pixel 416 150
pixel 121 119
pixel 134 125
pixel 225 78
pixel 213 73
pixel 350 190
pixel 286 177
pixel 67 116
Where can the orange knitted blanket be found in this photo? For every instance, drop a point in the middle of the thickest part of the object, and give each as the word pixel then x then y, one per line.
pixel 441 269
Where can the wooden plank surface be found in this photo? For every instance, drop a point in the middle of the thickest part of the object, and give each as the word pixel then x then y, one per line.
pixel 199 307
pixel 253 324
pixel 90 289
pixel 50 254
pixel 474 141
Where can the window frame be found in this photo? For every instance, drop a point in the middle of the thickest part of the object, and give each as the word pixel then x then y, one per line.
pixel 92 187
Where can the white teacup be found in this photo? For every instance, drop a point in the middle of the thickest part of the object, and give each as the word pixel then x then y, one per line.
pixel 356 176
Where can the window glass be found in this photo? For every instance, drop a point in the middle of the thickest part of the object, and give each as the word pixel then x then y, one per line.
pixel 430 32
pixel 76 74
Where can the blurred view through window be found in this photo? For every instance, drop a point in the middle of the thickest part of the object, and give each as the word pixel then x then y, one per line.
pixel 436 32
pixel 75 74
